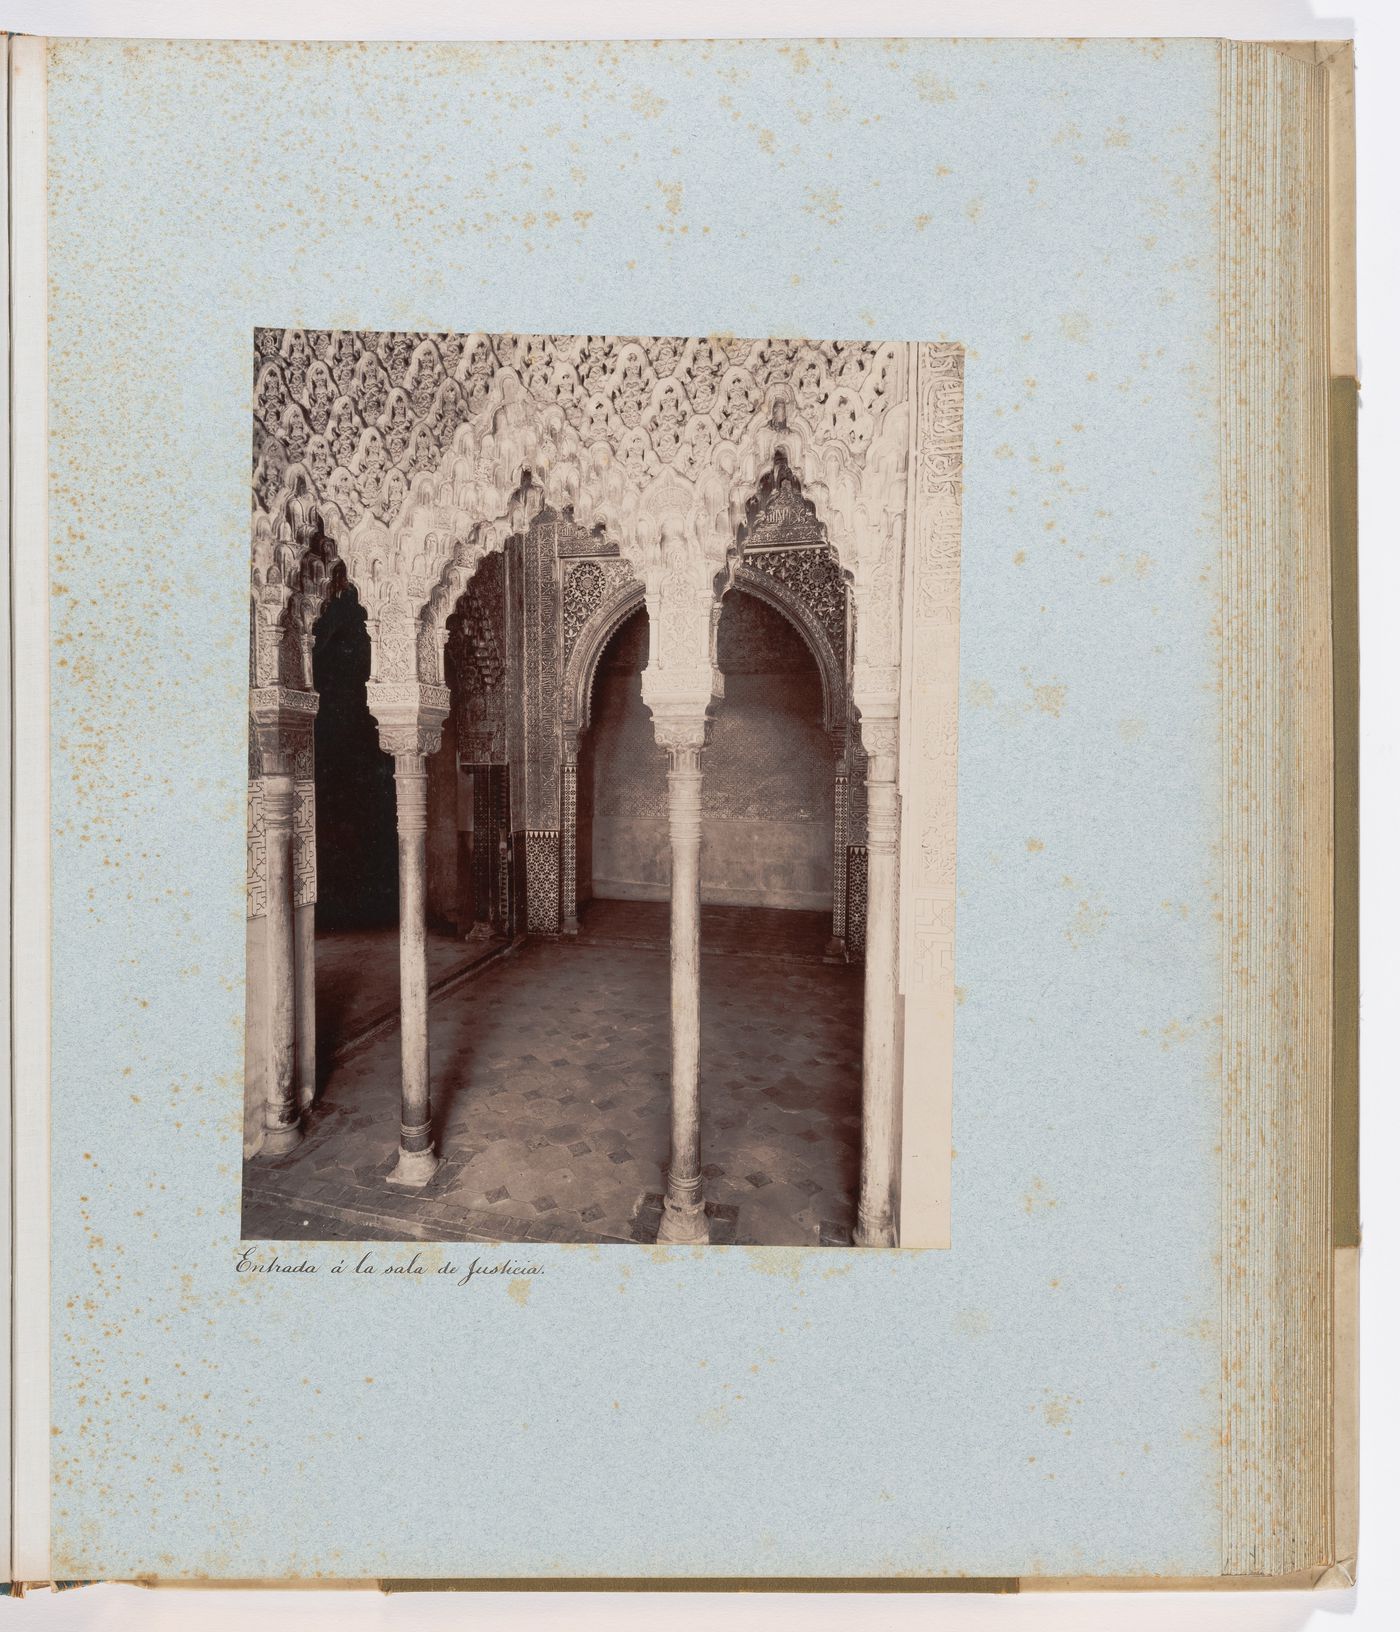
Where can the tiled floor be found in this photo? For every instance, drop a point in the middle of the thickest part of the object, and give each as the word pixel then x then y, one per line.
pixel 357 979
pixel 550 1087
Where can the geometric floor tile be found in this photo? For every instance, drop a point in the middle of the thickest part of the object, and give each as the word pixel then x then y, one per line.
pixel 549 1072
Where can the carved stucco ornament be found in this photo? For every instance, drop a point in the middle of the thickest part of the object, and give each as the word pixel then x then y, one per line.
pixel 433 449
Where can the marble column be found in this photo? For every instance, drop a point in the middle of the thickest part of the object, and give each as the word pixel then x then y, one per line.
pixel 418 1160
pixel 282 1120
pixel 304 906
pixel 410 720
pixel 283 719
pixel 305 936
pixel 880 1083
pixel 683 1213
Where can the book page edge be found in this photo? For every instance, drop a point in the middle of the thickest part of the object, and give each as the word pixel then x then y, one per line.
pixel 30 846
pixel 1277 681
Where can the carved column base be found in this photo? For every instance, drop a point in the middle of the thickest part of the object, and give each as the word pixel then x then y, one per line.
pixel 835 951
pixel 415 1167
pixel 280 1140
pixel 683 1222
pixel 875 1232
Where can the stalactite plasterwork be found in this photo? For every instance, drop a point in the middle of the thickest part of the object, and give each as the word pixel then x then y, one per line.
pixel 477 645
pixel 399 460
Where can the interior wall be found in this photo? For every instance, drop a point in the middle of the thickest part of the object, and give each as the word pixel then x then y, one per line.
pixel 769 772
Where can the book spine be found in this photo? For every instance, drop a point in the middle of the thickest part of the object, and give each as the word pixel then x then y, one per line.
pixel 1277 876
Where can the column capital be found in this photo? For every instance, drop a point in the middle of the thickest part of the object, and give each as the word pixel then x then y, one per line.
pixel 681 732
pixel 283 719
pixel 875 687
pixel 409 714
pixel 879 736
pixel 680 701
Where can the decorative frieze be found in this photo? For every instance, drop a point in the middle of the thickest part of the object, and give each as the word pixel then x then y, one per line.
pixel 839 851
pixel 572 541
pixel 532 574
pixel 588 585
pixel 812 577
pixel 257 852
pixel 568 842
pixel 928 780
pixel 857 874
pixel 541 882
pixel 304 842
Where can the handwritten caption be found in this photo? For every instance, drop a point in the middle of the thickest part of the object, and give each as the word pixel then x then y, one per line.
pixel 254 1260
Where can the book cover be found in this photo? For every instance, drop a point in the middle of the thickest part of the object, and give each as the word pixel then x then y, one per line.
pixel 677 884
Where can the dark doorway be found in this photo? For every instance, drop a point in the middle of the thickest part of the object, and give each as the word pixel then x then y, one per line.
pixel 356 833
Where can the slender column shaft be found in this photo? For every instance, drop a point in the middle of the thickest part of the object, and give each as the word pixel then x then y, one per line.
pixel 304 907
pixel 879 1153
pixel 306 1003
pixel 683 1216
pixel 417 1159
pixel 282 1121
